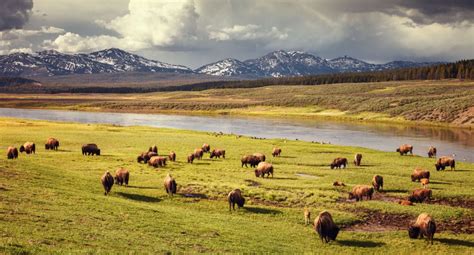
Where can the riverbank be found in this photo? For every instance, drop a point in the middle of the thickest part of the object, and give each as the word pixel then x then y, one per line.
pixel 447 103
pixel 52 201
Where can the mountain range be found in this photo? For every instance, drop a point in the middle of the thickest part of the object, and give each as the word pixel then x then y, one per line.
pixel 274 64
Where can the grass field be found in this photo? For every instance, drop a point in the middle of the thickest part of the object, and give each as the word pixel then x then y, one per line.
pixel 447 102
pixel 53 202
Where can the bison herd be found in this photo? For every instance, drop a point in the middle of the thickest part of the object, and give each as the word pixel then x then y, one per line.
pixel 324 224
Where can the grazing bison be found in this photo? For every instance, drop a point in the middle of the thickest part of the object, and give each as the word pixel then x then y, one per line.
pixel 339 163
pixel 432 152
pixel 420 195
pixel 251 160
pixel 405 202
pixel 191 158
pixel 361 191
pixel 28 147
pixel 338 183
pixel 198 153
pixel 90 149
pixel 206 148
pixel 218 153
pixel 12 152
pixel 235 197
pixel 260 156
pixel 419 174
pixel 377 182
pixel 170 185
pixel 425 182
pixel 307 216
pixel 157 161
pixel 424 226
pixel 172 156
pixel 107 181
pixel 264 168
pixel 153 149
pixel 145 156
pixel 357 159
pixel 325 227
pixel 404 149
pixel 276 152
pixel 443 162
pixel 51 144
pixel 121 176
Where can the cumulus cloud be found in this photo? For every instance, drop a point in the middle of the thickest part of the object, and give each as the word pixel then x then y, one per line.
pixel 14 13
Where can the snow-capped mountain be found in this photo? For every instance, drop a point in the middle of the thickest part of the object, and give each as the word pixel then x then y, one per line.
pixel 229 67
pixel 50 63
pixel 348 64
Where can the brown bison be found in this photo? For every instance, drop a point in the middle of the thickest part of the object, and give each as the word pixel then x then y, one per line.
pixel 172 156
pixel 307 216
pixel 28 147
pixel 325 227
pixel 276 152
pixel 198 153
pixel 443 162
pixel 235 197
pixel 218 153
pixel 260 156
pixel 191 158
pixel 424 226
pixel 121 176
pixel 145 156
pixel 206 148
pixel 12 152
pixel 405 202
pixel 339 163
pixel 357 159
pixel 251 160
pixel 107 182
pixel 425 182
pixel 377 182
pixel 153 149
pixel 420 195
pixel 338 183
pixel 157 161
pixel 170 185
pixel 361 191
pixel 90 149
pixel 404 149
pixel 51 144
pixel 432 152
pixel 264 168
pixel 419 174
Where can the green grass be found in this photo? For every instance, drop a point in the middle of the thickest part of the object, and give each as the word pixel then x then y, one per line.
pixel 53 202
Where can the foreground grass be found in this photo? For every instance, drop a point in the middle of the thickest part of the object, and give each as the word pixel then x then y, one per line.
pixel 52 202
pixel 448 102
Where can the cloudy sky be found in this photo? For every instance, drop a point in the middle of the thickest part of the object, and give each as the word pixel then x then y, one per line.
pixel 196 32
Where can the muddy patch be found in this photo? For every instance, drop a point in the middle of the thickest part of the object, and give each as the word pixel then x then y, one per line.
pixel 307 176
pixel 252 183
pixel 454 202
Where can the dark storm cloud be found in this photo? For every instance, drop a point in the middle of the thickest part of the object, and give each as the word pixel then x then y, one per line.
pixel 14 13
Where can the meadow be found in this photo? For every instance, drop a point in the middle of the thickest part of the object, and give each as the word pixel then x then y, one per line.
pixel 53 202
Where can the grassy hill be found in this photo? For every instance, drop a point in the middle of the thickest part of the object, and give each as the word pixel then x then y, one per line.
pixel 53 202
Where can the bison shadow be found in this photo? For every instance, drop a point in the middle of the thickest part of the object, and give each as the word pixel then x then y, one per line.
pixel 358 243
pixel 141 187
pixel 438 182
pixel 201 163
pixel 456 242
pixel 285 157
pixel 194 195
pixel 260 210
pixel 284 178
pixel 394 191
pixel 313 165
pixel 138 197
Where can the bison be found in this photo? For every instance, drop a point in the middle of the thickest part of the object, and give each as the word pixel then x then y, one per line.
pixel 404 149
pixel 445 161
pixel 432 152
pixel 191 158
pixel 377 182
pixel 276 152
pixel 419 174
pixel 420 195
pixel 121 176
pixel 424 226
pixel 28 147
pixel 153 149
pixel 357 159
pixel 198 153
pixel 339 163
pixel 325 227
pixel 90 149
pixel 235 197
pixel 51 144
pixel 145 156
pixel 307 216
pixel 338 183
pixel 172 156
pixel 260 156
pixel 405 202
pixel 264 168
pixel 170 185
pixel 206 148
pixel 251 160
pixel 361 191
pixel 12 152
pixel 107 182
pixel 218 153
pixel 425 182
pixel 157 161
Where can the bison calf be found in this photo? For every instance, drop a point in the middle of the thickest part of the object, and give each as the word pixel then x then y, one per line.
pixel 191 158
pixel 325 227
pixel 307 216
pixel 107 182
pixel 424 226
pixel 235 197
pixel 12 152
pixel 405 149
pixel 377 182
pixel 338 183
pixel 425 182
pixel 51 144
pixel 405 202
pixel 170 185
pixel 121 176
pixel 361 191
pixel 172 156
